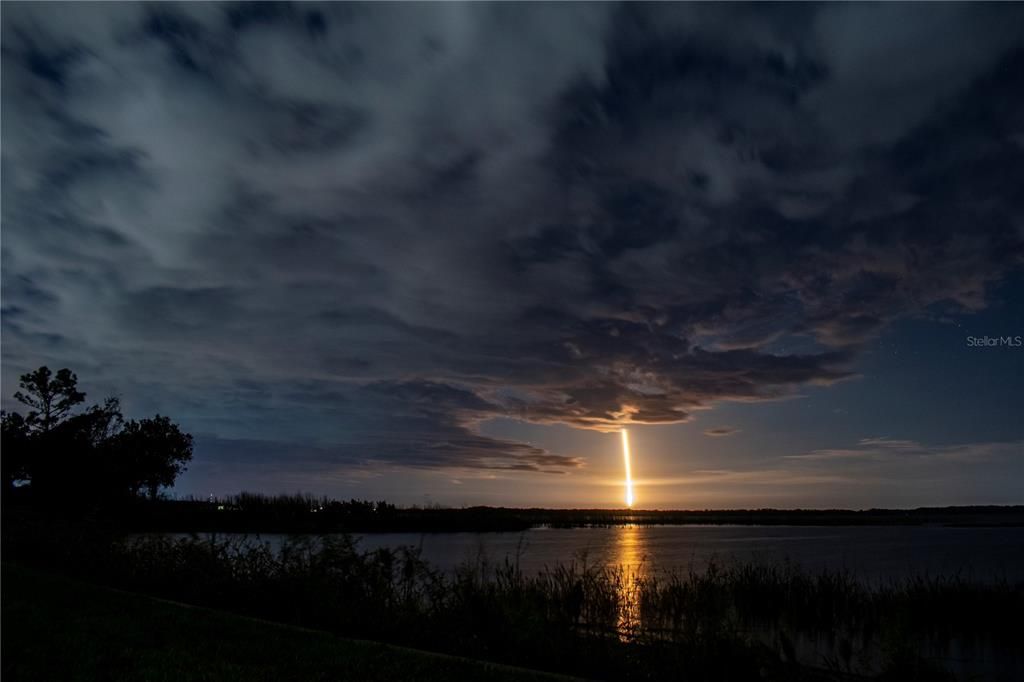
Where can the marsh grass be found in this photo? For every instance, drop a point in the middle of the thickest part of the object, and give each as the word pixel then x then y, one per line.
pixel 723 621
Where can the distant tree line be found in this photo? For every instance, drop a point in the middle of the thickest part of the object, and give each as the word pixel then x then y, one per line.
pixel 302 503
pixel 257 513
pixel 59 451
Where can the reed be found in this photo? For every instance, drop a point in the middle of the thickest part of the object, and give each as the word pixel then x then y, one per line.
pixel 723 621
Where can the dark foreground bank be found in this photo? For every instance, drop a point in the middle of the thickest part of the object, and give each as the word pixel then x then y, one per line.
pixel 737 622
pixel 60 629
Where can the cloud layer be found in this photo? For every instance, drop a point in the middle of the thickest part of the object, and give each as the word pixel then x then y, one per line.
pixel 357 232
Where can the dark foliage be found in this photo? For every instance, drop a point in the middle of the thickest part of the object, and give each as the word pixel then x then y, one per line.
pixel 14 441
pixel 151 453
pixel 734 622
pixel 51 398
pixel 56 456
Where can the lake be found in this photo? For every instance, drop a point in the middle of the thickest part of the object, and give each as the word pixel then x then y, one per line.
pixel 872 553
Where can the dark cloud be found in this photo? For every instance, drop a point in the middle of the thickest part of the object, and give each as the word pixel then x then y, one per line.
pixel 720 431
pixel 353 233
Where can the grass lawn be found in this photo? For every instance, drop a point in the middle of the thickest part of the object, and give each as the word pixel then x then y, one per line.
pixel 54 628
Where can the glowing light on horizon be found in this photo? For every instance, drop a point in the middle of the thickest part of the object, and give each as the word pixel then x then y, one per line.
pixel 629 473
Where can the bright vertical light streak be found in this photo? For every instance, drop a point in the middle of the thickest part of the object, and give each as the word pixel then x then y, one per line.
pixel 629 473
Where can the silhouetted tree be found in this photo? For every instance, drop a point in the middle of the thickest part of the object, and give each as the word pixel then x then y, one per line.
pixel 51 397
pixel 14 442
pixel 75 460
pixel 93 455
pixel 99 423
pixel 152 452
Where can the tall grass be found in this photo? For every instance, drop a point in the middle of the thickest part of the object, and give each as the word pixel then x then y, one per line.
pixel 739 621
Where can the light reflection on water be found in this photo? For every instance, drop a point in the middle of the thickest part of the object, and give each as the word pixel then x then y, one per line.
pixel 872 554
pixel 631 559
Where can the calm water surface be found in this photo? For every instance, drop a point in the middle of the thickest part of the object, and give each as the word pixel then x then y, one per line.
pixel 872 553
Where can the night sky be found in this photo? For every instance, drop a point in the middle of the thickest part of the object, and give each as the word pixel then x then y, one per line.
pixel 442 253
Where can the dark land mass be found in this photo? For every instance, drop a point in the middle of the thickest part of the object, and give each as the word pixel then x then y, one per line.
pixel 733 622
pixel 297 514
pixel 70 630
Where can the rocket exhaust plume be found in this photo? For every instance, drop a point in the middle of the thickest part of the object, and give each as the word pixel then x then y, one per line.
pixel 629 473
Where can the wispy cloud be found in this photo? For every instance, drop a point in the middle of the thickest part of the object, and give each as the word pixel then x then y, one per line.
pixel 364 229
pixel 895 450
